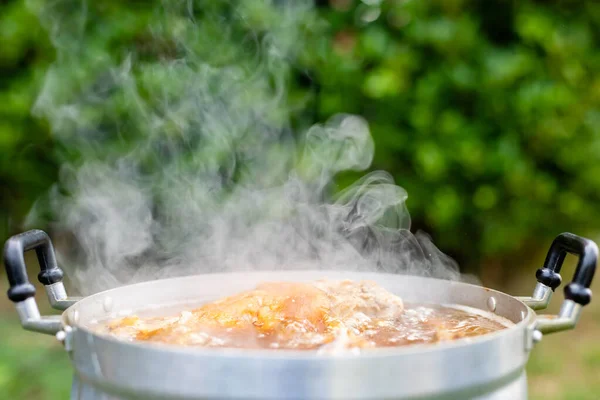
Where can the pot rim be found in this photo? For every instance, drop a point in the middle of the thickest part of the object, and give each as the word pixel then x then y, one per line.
pixel 526 322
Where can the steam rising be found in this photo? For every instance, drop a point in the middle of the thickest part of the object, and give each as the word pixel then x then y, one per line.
pixel 181 159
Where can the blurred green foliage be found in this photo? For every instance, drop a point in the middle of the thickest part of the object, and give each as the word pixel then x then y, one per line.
pixel 27 166
pixel 486 112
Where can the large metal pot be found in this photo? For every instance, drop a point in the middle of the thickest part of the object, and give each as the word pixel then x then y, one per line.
pixel 486 367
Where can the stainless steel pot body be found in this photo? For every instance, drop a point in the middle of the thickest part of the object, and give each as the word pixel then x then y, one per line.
pixel 487 367
pixel 462 369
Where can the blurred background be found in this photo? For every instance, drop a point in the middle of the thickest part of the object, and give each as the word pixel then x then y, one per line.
pixel 486 112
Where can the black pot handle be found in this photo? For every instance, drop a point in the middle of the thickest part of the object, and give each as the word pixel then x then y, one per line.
pixel 22 292
pixel 14 262
pixel 577 293
pixel 586 250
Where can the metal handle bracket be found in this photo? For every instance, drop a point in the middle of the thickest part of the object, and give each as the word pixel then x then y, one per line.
pixel 57 296
pixel 540 298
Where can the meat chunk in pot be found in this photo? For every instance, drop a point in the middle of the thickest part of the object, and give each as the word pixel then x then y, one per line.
pixel 275 315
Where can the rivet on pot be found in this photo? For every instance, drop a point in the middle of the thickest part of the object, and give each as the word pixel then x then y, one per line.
pixel 491 304
pixel 108 304
pixel 61 336
pixel 536 336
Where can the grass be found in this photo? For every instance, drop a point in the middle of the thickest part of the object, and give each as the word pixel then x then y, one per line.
pixel 32 366
pixel 564 366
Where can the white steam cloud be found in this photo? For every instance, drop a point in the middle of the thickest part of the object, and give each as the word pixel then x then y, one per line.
pixel 181 159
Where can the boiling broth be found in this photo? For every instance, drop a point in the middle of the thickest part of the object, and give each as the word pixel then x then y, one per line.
pixel 296 316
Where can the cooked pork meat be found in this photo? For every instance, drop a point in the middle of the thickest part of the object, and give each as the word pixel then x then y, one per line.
pixel 288 315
